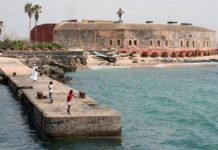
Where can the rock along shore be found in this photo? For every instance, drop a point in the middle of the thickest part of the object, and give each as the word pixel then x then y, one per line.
pixel 53 63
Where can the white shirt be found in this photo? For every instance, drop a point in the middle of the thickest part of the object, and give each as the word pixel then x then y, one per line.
pixel 50 88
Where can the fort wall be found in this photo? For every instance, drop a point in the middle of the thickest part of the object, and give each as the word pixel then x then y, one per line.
pixel 167 37
pixel 89 39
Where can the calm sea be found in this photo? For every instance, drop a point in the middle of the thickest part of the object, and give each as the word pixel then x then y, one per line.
pixel 162 109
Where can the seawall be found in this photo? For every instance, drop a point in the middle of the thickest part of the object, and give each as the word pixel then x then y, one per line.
pixel 87 117
pixel 61 56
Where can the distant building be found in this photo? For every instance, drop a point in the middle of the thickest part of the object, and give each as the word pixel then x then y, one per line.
pixel 100 34
pixel 43 33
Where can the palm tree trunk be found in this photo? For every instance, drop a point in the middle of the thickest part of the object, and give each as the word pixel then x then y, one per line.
pixel 30 29
pixel 35 40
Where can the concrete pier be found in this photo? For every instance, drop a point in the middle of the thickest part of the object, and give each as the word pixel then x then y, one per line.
pixel 87 118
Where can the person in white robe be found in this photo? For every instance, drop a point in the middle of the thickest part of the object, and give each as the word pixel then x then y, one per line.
pixel 34 73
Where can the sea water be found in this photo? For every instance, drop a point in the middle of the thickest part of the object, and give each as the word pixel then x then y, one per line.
pixel 162 108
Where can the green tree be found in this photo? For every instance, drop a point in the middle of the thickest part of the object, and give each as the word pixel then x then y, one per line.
pixel 28 8
pixel 120 12
pixel 37 11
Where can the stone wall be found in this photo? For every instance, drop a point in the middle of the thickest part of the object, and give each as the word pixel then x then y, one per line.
pixel 91 126
pixel 63 57
pixel 169 39
pixel 26 53
pixel 89 39
pixel 97 36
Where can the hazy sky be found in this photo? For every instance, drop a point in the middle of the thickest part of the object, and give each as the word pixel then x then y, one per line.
pixel 198 12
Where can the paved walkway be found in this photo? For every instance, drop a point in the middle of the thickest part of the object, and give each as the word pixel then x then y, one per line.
pixel 10 65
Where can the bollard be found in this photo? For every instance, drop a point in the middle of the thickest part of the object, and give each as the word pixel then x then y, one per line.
pixel 1 79
pixel 14 73
pixel 39 95
pixel 82 95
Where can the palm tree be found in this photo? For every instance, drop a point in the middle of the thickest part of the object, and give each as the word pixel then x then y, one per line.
pixel 37 10
pixel 28 8
pixel 1 25
pixel 120 12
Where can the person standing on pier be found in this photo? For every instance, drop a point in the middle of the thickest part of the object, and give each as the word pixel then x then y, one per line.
pixel 69 100
pixel 50 91
pixel 34 73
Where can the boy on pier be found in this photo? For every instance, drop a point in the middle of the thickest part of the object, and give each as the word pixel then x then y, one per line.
pixel 50 91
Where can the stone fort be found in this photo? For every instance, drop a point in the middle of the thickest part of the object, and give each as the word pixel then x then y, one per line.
pixel 99 34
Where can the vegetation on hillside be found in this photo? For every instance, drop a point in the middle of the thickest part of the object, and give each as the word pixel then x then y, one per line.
pixel 26 45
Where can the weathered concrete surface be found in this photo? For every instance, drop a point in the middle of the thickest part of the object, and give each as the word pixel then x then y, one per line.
pixel 10 65
pixel 87 117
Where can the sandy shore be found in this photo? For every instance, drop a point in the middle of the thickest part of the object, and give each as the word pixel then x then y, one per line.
pixel 136 62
